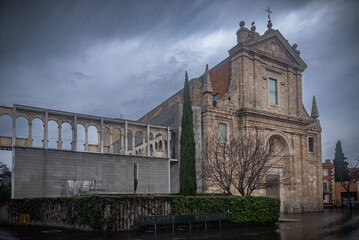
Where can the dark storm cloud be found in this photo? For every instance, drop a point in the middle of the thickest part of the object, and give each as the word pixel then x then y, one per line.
pixel 113 58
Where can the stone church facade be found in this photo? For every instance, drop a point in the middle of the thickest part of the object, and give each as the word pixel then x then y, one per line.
pixel 257 88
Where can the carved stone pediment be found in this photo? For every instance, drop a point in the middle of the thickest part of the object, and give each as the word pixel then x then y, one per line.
pixel 274 45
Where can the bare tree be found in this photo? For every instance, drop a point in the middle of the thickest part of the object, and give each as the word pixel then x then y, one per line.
pixel 243 164
pixel 351 176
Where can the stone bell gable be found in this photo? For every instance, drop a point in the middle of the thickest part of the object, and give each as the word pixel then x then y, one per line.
pixel 253 61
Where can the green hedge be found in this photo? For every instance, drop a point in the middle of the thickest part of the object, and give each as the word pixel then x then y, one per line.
pixel 243 209
pixel 5 194
pixel 90 210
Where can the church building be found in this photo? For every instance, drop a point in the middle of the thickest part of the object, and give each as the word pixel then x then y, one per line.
pixel 257 88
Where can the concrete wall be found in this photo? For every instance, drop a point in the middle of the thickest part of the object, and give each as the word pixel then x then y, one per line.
pixel 41 173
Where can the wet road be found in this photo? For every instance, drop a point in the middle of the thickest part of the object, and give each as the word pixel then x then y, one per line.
pixel 330 224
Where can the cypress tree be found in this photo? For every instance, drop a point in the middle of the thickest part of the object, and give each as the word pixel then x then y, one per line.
pixel 188 183
pixel 340 165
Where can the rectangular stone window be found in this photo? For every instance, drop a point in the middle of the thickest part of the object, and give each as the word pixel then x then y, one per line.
pixel 222 132
pixel 273 91
pixel 216 97
pixel 311 144
pixel 325 187
pixel 326 198
pixel 325 172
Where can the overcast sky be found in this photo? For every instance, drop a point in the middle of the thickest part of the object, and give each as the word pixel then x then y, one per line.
pixel 123 58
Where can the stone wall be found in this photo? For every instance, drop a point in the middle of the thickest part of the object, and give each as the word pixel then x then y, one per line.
pixel 44 173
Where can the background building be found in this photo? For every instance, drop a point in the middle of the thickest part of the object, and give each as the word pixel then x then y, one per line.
pixel 329 196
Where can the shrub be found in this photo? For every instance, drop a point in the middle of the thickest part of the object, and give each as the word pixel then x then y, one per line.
pixel 5 194
pixel 244 209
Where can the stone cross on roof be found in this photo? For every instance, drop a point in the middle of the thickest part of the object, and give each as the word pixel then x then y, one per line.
pixel 269 12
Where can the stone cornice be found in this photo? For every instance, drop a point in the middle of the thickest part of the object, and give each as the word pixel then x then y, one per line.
pixel 250 50
pixel 272 116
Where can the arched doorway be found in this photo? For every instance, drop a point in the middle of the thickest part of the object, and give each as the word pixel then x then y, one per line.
pixel 279 171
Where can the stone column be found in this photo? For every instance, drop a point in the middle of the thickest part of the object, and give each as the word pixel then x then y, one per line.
pixel 111 142
pixel 30 133
pixel 86 139
pixel 169 175
pixel 122 149
pixel 143 146
pixel 168 142
pixel 74 134
pixel 133 144
pixel 126 151
pixel 59 141
pixel 13 125
pixel 101 135
pixel 148 151
pixel 46 127
pixel 13 151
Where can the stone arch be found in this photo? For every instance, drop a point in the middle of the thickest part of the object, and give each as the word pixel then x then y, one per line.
pixel 92 135
pixel 117 145
pixel 160 145
pixel 52 134
pixel 22 127
pixel 151 150
pixel 37 126
pixel 139 139
pixel 106 137
pixel 80 137
pixel 129 140
pixel 282 168
pixel 66 135
pixel 24 116
pixel 282 138
pixel 5 125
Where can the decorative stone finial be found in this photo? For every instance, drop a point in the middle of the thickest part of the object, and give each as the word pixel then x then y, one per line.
pixel 207 84
pixel 294 46
pixel 315 112
pixel 253 28
pixel 269 25
pixel 242 23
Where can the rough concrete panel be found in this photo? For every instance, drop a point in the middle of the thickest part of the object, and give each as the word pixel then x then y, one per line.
pixel 30 173
pixel 40 169
pixel 174 177
pixel 60 168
